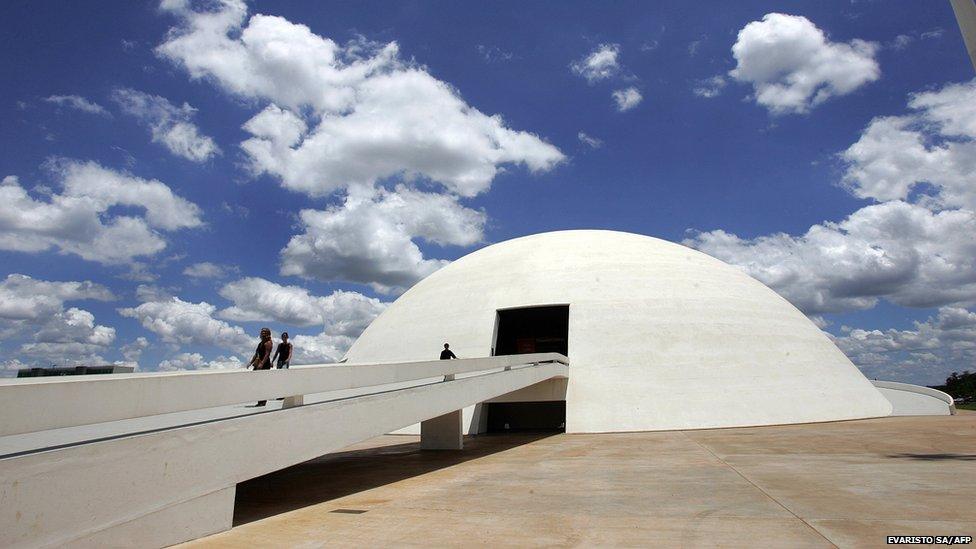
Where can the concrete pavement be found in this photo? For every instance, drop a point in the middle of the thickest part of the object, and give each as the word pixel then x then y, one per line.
pixel 846 484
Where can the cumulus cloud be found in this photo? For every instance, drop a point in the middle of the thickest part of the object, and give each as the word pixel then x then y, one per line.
pixel 627 98
pixel 35 309
pixel 599 64
pixel 927 354
pixel 80 220
pixel 709 87
pixel 186 323
pixel 133 350
pixel 903 252
pixel 195 361
pixel 589 140
pixel 205 269
pixel 321 348
pixel 934 146
pixel 169 124
pixel 77 102
pixel 257 299
pixel 9 367
pixel 913 248
pixel 368 239
pixel 353 120
pixel 342 315
pixel 26 298
pixel 373 116
pixel 793 67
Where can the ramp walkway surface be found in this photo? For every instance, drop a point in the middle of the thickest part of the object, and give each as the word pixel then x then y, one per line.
pixel 154 459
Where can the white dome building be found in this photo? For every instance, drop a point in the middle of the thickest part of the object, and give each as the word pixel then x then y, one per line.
pixel 659 336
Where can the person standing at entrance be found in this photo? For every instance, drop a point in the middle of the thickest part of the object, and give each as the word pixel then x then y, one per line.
pixel 262 356
pixel 447 354
pixel 283 352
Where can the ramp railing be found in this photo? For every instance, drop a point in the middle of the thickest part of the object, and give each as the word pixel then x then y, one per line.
pixel 37 404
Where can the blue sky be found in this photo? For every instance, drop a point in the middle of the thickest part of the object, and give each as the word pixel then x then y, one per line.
pixel 823 148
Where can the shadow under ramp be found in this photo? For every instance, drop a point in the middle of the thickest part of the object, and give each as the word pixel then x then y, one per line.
pixel 333 476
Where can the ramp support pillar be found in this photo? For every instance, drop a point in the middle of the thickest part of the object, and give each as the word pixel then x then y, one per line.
pixel 442 432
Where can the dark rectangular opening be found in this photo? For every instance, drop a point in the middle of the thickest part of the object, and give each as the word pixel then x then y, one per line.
pixel 533 330
pixel 507 417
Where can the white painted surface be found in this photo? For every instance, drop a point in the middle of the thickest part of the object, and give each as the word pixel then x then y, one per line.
pixel 442 432
pixel 81 400
pixel 660 336
pixel 915 400
pixel 98 491
pixel 203 516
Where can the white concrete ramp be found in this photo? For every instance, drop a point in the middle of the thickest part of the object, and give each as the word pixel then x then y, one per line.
pixel 915 400
pixel 173 484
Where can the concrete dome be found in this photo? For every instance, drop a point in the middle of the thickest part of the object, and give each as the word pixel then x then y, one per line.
pixel 660 336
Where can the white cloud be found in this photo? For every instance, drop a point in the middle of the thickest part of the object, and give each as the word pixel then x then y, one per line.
pixel 709 87
pixel 79 220
pixel 195 361
pixel 935 145
pixel 368 239
pixel 170 125
pixel 903 252
pixel 600 64
pixel 322 348
pixel 916 251
pixel 353 120
pixel 793 67
pixel 74 326
pixel 901 42
pixel 9 367
pixel 77 102
pixel 405 124
pixel 589 140
pixel 341 313
pixel 205 269
pixel 627 98
pixel 185 323
pixel 34 309
pixel 133 350
pixel 494 54
pixel 926 354
pixel 26 298
pixel 374 115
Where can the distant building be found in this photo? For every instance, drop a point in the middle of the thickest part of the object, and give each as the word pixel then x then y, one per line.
pixel 74 371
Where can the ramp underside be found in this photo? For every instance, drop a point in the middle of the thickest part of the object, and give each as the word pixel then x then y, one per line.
pixel 91 494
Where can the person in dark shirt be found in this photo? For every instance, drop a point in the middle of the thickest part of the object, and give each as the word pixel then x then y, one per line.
pixel 262 356
pixel 283 353
pixel 446 354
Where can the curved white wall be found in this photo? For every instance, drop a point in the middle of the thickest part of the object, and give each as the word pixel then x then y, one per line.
pixel 660 336
pixel 914 400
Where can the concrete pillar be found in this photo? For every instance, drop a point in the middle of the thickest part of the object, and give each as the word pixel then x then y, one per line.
pixel 292 401
pixel 442 432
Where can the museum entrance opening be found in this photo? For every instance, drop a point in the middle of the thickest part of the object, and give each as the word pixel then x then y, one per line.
pixel 522 331
pixel 532 417
pixel 532 330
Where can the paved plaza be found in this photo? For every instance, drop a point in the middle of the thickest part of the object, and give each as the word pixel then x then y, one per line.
pixel 846 484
